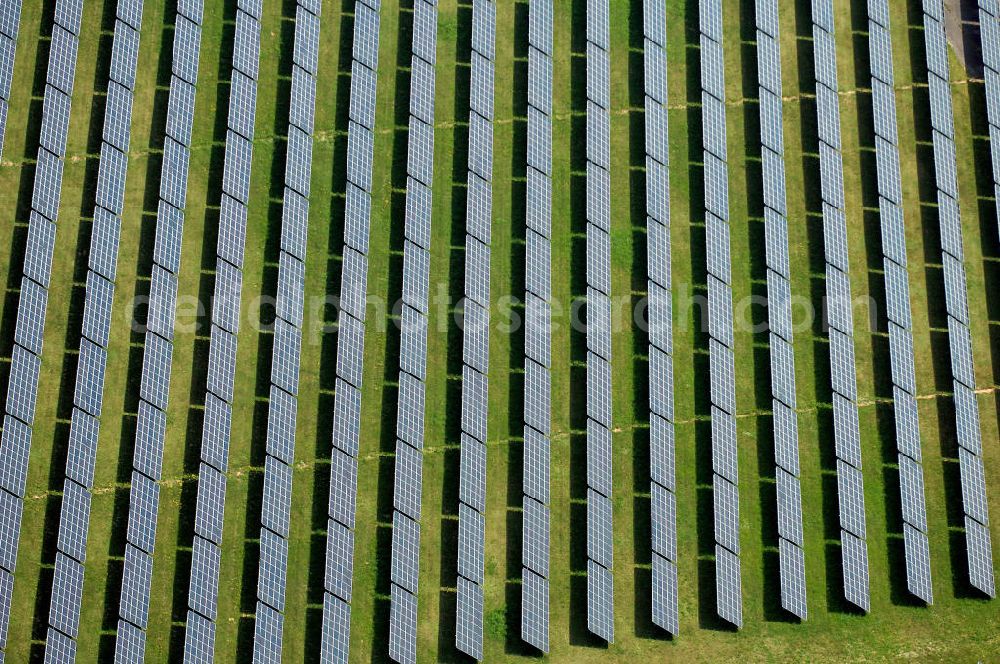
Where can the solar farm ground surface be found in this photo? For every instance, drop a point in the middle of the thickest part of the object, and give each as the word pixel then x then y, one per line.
pixel 958 626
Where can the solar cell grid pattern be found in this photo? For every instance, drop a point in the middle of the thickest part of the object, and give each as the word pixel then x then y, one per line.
pixel 989 31
pixel 74 522
pixel 537 327
pixel 979 550
pixel 8 44
pixel 413 347
pixel 600 593
pixel 29 329
pixel 785 424
pixel 729 603
pixel 282 406
pixel 204 585
pixel 476 335
pixel 897 295
pixel 847 436
pixel 150 432
pixel 336 633
pixel 663 526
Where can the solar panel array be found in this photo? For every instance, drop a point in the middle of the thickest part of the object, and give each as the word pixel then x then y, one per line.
pixel 897 290
pixel 476 335
pixel 989 30
pixel 537 331
pixel 276 503
pixel 729 603
pixel 600 533
pixel 977 529
pixel 413 347
pixel 151 421
pixel 26 356
pixel 74 518
pixel 846 430
pixel 206 554
pixel 663 499
pixel 10 21
pixel 350 344
pixel 791 555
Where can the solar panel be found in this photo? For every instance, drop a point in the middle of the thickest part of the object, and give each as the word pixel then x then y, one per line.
pixel 130 643
pixel 408 481
pixel 728 592
pixel 210 505
pixel 187 47
pixel 203 592
pixel 151 424
pixel 347 416
pixel 469 618
pixel 273 567
pixel 420 160
pixel 55 120
pixel 664 605
pixel 424 30
pixel 144 501
pixel 199 638
pixel 600 602
pixel 663 510
pixel 535 609
pixel 343 480
pixel 48 183
pixel 22 389
pixel 10 530
pixel 16 443
pixel 360 144
pixel 222 363
pixel 366 29
pixel 74 521
pixel 59 647
pixel 124 55
pixel 471 538
pixel 246 45
pixel 30 327
pixel 277 496
pixel 403 623
pixel 137 579
pixel 267 634
pixel 62 58
pixel 980 556
pixel 173 180
pixel 82 450
pixel 67 594
pixel 339 560
pixel 336 629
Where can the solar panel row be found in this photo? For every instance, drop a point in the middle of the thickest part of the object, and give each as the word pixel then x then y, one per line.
pixel 30 325
pixel 979 549
pixel 600 587
pixel 155 378
pixel 8 43
pixel 199 637
pixel 350 344
pixel 897 297
pixel 721 360
pixel 476 336
pixel 847 437
pixel 413 344
pixel 989 30
pixel 537 329
pixel 663 510
pixel 74 519
pixel 283 403
pixel 785 426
